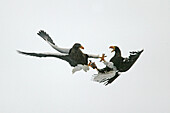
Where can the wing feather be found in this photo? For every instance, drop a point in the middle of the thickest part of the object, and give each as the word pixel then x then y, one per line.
pixel 49 40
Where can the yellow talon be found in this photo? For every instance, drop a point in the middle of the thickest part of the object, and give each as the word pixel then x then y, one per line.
pixel 102 58
pixel 89 63
pixel 92 64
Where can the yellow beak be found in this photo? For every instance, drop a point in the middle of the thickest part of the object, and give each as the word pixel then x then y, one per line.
pixel 112 47
pixel 82 47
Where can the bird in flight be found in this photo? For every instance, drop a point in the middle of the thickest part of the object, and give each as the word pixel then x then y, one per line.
pixel 74 56
pixel 79 60
pixel 116 65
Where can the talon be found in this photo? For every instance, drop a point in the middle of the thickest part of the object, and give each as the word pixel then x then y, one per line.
pixel 93 65
pixel 89 63
pixel 102 58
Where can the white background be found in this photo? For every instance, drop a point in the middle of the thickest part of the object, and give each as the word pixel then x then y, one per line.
pixel 46 85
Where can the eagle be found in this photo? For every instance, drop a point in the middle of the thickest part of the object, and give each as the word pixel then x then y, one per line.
pixel 115 66
pixel 74 56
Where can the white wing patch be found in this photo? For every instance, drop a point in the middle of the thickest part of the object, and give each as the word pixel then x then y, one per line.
pixel 58 54
pixel 62 50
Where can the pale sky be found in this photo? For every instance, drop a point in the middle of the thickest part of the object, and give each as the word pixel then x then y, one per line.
pixel 47 85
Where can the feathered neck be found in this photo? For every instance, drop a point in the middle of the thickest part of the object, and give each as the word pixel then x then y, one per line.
pixel 117 51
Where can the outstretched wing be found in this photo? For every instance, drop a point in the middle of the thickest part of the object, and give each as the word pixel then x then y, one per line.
pixel 48 39
pixel 60 56
pixel 41 54
pixel 128 62
pixel 93 56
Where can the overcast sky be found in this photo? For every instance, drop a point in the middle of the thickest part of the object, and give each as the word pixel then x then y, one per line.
pixel 47 85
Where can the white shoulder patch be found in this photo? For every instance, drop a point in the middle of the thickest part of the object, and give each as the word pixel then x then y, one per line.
pixel 62 50
pixel 93 56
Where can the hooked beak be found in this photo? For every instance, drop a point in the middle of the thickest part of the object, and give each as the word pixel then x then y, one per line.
pixel 112 47
pixel 82 47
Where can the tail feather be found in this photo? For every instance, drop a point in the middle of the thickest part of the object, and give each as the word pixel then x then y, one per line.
pixel 109 81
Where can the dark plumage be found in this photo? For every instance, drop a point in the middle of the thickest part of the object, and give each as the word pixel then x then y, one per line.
pixel 76 56
pixel 73 56
pixel 122 64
